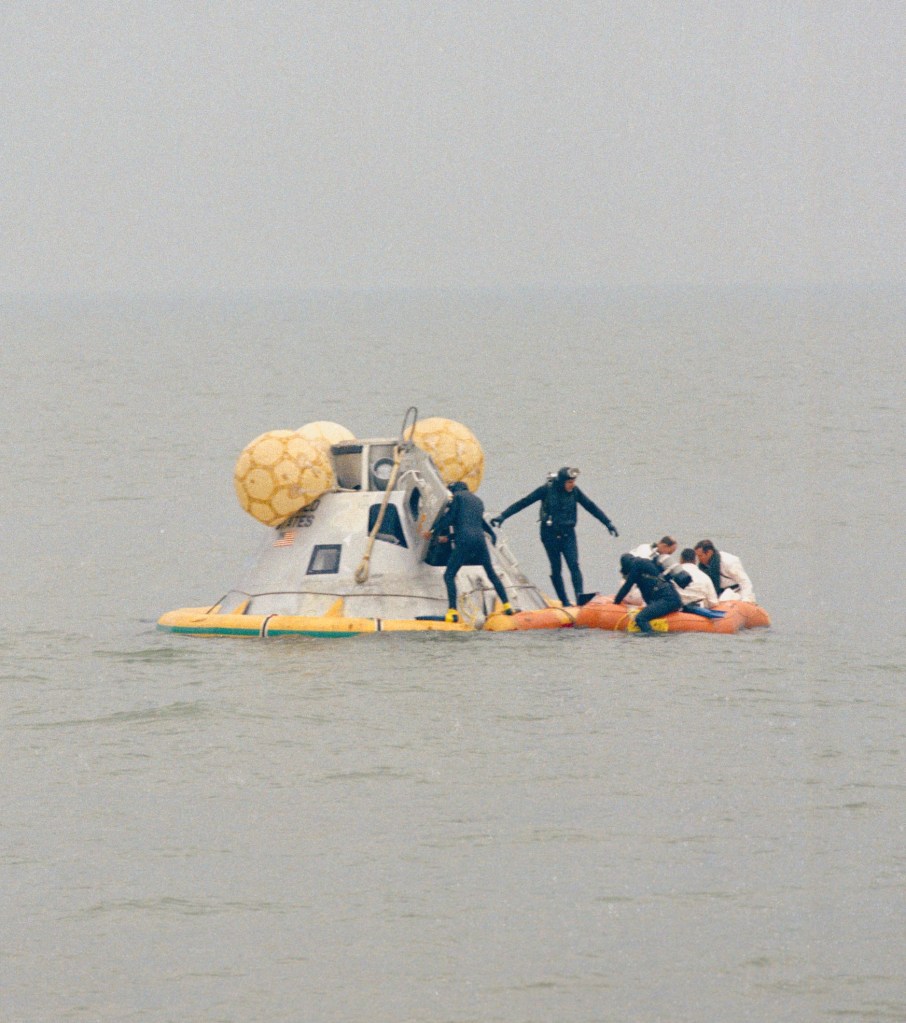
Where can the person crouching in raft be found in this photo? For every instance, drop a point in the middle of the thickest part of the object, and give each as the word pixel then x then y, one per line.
pixel 660 595
pixel 464 522
pixel 559 497
pixel 729 577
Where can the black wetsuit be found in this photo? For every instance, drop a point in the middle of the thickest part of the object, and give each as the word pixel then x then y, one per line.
pixel 558 528
pixel 465 516
pixel 660 595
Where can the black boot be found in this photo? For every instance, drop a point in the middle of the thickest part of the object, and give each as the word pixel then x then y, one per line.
pixel 560 589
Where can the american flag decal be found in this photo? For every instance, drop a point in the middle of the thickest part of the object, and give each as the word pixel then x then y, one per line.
pixel 286 538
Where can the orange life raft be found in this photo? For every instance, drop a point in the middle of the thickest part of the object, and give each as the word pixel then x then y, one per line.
pixel 602 613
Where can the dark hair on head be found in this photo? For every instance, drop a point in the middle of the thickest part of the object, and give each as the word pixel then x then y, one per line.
pixel 687 555
pixel 667 540
pixel 705 545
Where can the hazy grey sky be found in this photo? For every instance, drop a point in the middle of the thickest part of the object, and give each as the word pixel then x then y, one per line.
pixel 182 145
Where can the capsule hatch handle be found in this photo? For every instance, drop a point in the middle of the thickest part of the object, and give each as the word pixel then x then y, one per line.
pixel 413 412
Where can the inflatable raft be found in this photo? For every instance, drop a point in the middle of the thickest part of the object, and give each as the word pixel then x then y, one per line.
pixel 200 621
pixel 602 613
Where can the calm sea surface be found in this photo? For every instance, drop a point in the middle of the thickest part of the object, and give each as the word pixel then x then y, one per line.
pixel 574 827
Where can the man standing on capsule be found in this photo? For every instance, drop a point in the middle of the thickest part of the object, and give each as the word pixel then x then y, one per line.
pixel 463 524
pixel 559 496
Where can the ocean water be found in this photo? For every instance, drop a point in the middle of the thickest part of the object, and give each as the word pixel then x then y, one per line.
pixel 572 826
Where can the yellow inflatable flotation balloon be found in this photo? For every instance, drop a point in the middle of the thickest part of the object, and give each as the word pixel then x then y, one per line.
pixel 279 473
pixel 453 448
pixel 325 433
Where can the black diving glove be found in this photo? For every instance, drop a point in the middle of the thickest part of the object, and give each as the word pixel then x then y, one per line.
pixel 497 521
pixel 612 529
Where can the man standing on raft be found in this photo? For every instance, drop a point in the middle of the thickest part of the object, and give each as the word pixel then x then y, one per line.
pixel 464 519
pixel 559 497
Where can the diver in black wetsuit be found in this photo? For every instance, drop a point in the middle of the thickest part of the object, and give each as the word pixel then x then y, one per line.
pixel 660 595
pixel 464 519
pixel 559 497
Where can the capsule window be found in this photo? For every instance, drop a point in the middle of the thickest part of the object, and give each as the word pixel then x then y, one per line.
pixel 391 530
pixel 415 499
pixel 325 559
